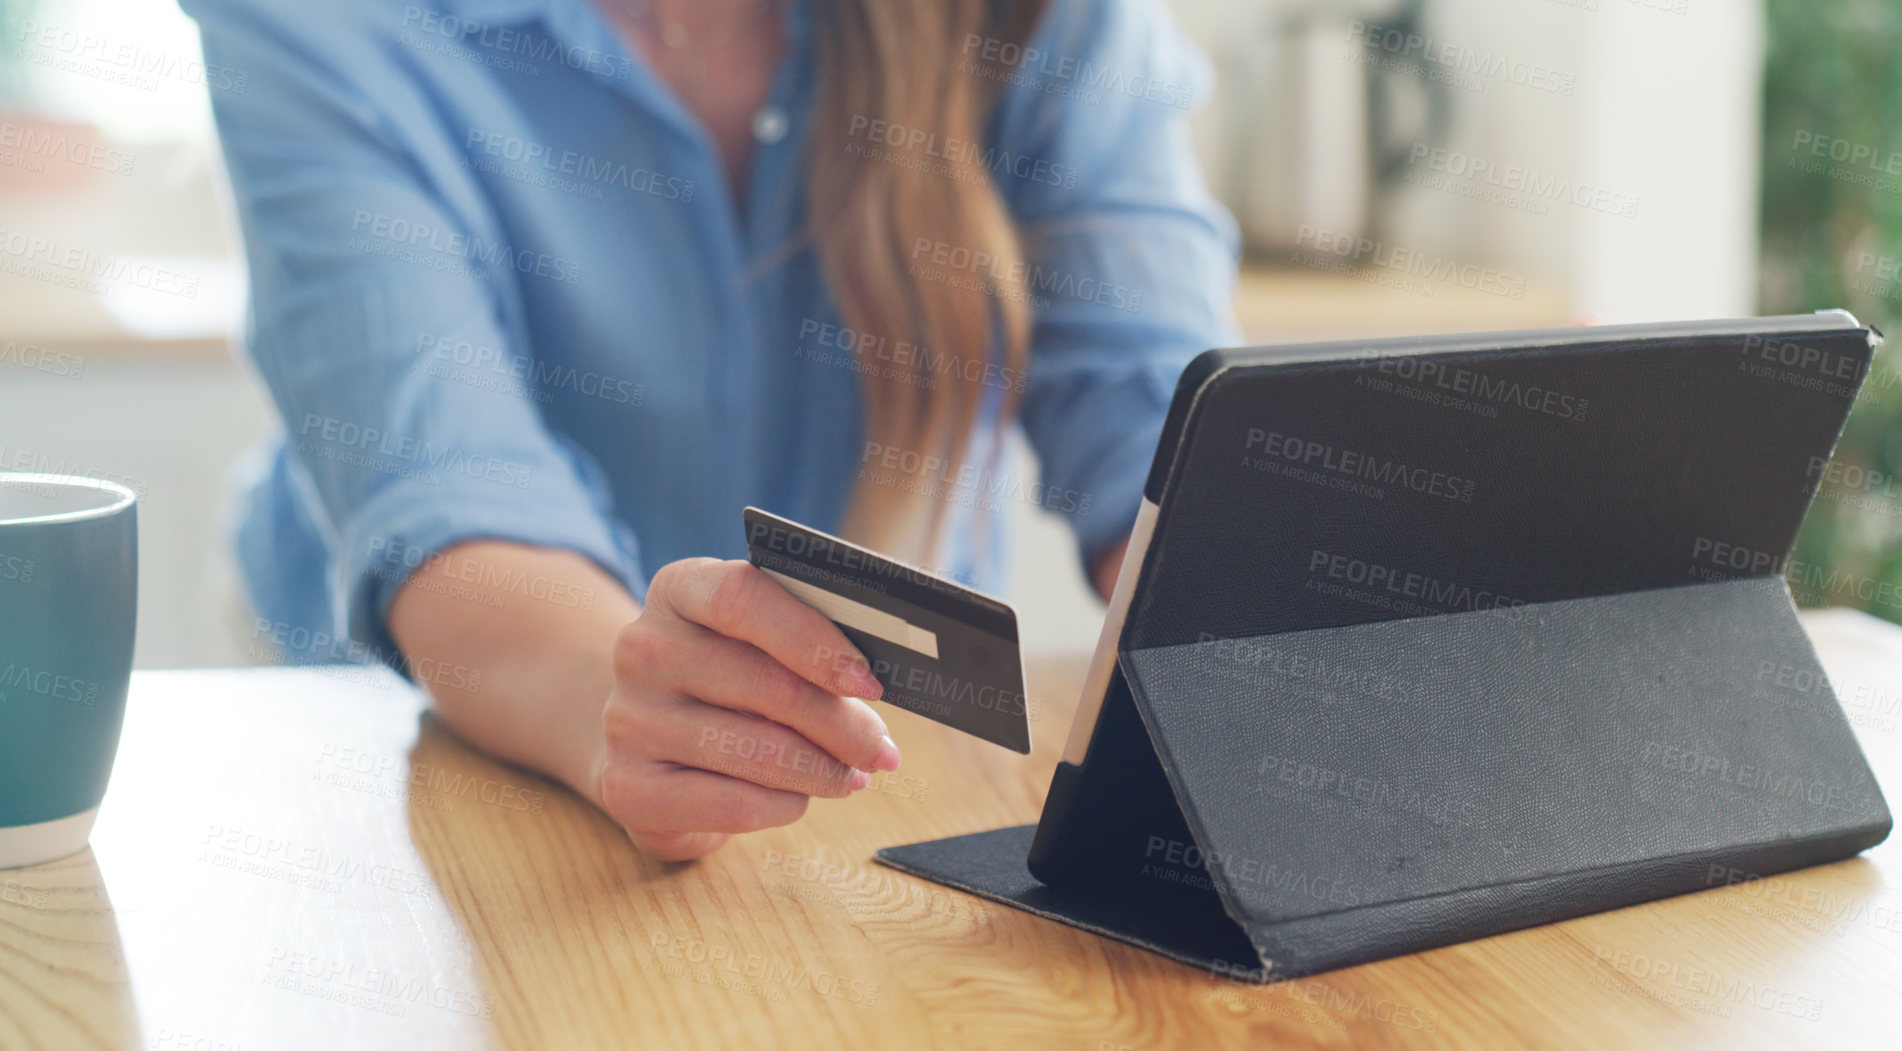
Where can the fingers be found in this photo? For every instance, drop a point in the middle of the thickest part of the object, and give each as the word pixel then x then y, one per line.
pixel 678 846
pixel 740 601
pixel 670 811
pixel 693 733
pixel 734 704
pixel 688 659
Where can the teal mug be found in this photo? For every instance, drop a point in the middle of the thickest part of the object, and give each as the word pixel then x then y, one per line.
pixel 68 597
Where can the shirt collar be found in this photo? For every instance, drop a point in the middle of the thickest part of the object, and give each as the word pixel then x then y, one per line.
pixel 581 23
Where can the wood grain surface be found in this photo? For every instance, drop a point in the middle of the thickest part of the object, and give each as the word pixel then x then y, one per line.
pixel 306 859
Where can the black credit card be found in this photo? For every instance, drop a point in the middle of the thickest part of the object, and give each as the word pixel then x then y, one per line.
pixel 941 650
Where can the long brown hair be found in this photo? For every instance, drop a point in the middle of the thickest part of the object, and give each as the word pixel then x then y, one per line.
pixel 897 163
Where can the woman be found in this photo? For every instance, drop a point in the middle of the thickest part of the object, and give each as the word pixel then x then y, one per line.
pixel 546 291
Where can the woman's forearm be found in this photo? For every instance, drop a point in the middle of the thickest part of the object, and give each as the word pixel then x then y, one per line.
pixel 532 630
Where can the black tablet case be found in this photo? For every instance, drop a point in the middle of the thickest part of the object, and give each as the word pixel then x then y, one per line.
pixel 1345 727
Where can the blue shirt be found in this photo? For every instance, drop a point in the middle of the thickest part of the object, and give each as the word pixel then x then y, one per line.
pixel 500 289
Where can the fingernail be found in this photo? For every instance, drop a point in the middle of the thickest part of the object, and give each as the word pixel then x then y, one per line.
pixel 860 779
pixel 863 683
pixel 888 757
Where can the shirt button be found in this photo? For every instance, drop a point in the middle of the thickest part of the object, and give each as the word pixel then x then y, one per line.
pixel 769 123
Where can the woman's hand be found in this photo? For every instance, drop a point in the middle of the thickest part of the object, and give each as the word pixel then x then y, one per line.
pixel 1103 574
pixel 715 710
pixel 733 705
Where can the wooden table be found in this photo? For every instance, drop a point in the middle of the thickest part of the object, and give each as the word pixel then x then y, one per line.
pixel 303 858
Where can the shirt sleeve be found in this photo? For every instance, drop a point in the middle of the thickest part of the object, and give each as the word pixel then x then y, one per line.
pixel 361 269
pixel 1131 264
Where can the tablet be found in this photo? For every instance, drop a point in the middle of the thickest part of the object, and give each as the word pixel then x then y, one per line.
pixel 1320 485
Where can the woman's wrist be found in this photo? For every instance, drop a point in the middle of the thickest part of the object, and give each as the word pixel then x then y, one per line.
pixel 538 672
pixel 578 751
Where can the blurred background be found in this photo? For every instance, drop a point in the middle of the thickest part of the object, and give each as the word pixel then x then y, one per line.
pixel 1537 161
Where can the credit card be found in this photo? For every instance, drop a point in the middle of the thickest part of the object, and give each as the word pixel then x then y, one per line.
pixel 940 649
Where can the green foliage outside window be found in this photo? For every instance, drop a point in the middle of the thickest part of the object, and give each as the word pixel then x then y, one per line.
pixel 1832 237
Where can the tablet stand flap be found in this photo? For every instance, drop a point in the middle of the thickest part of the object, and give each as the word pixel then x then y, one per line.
pixel 1364 791
pixel 1179 917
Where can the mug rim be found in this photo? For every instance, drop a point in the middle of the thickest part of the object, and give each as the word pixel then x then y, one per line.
pixel 125 497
